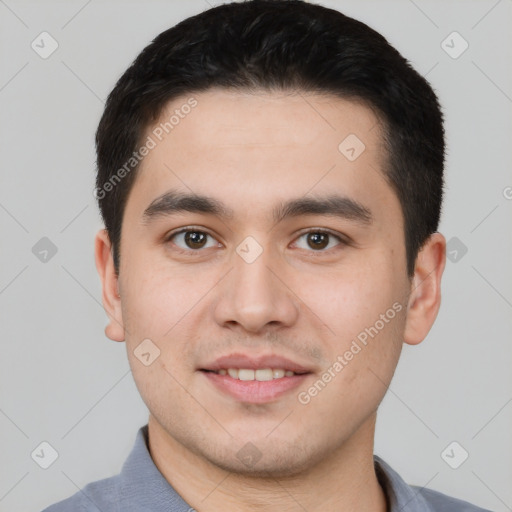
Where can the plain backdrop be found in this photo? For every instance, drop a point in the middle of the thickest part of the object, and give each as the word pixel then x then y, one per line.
pixel 64 383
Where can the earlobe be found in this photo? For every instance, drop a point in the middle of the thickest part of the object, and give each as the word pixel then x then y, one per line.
pixel 425 295
pixel 110 286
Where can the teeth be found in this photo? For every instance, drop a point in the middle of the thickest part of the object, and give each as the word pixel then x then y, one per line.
pixel 245 374
pixel 262 374
pixel 265 374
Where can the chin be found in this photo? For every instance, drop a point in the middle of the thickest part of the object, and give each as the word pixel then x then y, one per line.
pixel 264 468
pixel 267 460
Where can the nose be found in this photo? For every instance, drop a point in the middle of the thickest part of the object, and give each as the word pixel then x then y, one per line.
pixel 254 296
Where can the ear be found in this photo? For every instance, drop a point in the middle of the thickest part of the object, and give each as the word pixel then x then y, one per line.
pixel 110 285
pixel 425 294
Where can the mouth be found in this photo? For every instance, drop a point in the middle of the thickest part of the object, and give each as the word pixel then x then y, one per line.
pixel 259 374
pixel 257 380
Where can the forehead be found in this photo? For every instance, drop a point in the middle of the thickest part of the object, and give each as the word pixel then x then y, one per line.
pixel 223 118
pixel 253 147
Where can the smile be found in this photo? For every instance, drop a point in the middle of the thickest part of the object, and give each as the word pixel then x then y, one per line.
pixel 263 374
pixel 264 385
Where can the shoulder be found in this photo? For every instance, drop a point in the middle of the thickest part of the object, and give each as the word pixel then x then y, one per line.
pixel 404 497
pixel 442 503
pixel 101 495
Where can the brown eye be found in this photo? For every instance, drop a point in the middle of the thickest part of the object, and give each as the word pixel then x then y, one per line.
pixel 192 239
pixel 195 239
pixel 318 240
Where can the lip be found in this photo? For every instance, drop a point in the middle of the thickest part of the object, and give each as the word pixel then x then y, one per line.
pixel 253 391
pixel 256 362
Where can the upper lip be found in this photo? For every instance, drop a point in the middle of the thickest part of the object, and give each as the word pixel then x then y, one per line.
pixel 255 362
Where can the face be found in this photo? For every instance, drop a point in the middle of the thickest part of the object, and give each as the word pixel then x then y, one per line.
pixel 294 261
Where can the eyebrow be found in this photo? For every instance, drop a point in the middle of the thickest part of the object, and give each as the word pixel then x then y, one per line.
pixel 333 205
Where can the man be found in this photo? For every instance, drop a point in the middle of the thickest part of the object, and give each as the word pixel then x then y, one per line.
pixel 270 174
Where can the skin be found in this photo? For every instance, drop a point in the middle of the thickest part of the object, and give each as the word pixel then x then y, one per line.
pixel 252 151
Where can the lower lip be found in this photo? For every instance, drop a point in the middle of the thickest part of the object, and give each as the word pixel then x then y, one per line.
pixel 255 391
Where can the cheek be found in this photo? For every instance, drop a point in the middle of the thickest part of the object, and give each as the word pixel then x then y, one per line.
pixel 163 390
pixel 352 298
pixel 166 306
pixel 362 360
pixel 157 298
pixel 362 307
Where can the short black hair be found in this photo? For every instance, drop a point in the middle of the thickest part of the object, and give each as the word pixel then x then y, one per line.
pixel 283 45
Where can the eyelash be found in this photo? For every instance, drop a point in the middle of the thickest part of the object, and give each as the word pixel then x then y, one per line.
pixel 193 252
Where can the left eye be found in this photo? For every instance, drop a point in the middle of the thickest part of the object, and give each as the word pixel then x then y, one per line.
pixel 319 240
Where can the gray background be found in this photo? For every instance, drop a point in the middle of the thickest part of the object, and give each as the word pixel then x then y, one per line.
pixel 62 381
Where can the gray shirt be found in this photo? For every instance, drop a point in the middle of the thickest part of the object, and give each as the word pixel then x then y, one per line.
pixel 140 487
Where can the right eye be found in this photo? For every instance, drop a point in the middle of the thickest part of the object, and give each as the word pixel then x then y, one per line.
pixel 191 240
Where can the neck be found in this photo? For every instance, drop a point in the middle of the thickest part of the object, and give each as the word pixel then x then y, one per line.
pixel 345 480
